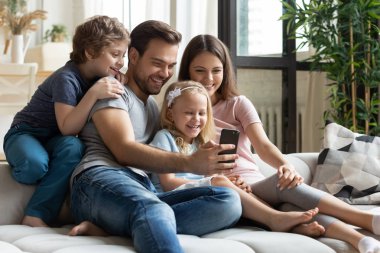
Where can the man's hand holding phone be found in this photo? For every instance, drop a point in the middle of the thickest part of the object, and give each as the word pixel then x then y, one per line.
pixel 207 160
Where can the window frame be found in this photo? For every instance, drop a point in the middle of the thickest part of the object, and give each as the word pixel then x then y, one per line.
pixel 287 63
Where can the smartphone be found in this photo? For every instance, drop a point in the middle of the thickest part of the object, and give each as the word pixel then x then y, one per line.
pixel 229 136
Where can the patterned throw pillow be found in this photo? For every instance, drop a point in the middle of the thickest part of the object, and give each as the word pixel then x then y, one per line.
pixel 349 166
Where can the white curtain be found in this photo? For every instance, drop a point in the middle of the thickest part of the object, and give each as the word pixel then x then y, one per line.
pixel 317 103
pixel 196 17
pixel 189 17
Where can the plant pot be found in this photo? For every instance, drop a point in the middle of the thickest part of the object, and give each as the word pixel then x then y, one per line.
pixel 59 37
pixel 17 49
pixel 19 46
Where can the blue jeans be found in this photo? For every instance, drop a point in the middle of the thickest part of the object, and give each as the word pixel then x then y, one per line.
pixel 47 159
pixel 126 204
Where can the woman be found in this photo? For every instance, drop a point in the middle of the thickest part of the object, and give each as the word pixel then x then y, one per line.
pixel 206 60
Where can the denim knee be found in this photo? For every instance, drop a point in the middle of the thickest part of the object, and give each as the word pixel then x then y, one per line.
pixel 70 146
pixel 230 204
pixel 31 169
pixel 154 228
pixel 154 211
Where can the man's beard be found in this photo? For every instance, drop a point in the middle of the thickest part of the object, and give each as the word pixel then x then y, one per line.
pixel 144 87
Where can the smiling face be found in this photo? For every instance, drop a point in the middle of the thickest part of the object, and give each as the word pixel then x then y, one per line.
pixel 109 61
pixel 207 69
pixel 189 114
pixel 153 69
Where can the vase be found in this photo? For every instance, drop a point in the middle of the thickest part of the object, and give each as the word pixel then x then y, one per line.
pixel 19 46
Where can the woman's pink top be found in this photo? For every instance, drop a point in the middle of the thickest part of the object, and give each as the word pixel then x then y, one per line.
pixel 238 113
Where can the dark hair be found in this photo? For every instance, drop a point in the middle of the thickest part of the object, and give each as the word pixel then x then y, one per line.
pixel 211 44
pixel 95 34
pixel 142 34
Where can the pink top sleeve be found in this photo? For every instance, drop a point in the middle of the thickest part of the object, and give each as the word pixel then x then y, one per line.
pixel 238 113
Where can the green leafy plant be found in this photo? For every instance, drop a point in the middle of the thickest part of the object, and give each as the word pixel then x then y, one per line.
pixel 58 33
pixel 345 36
pixel 15 6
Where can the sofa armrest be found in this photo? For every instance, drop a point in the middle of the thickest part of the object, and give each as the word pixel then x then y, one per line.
pixel 311 159
pixel 13 197
pixel 304 163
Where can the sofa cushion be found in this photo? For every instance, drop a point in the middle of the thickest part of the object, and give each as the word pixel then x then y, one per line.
pixel 8 248
pixel 13 197
pixel 264 241
pixel 349 166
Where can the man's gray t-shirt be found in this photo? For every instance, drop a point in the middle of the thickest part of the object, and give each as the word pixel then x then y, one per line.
pixel 145 121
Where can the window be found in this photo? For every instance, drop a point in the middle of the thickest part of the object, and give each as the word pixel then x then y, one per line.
pixel 259 30
pixel 273 54
pixel 266 60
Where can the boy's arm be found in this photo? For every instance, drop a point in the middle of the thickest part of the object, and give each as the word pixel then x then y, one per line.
pixel 71 119
pixel 116 130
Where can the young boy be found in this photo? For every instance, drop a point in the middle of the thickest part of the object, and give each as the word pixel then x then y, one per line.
pixel 41 146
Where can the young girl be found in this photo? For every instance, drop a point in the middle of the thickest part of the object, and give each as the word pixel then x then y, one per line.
pixel 41 146
pixel 187 122
pixel 206 60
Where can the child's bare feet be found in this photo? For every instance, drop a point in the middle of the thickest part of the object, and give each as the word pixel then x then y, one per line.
pixel 313 229
pixel 285 221
pixel 33 221
pixel 87 228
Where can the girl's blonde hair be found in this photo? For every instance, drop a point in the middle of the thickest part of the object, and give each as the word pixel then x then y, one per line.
pixel 173 92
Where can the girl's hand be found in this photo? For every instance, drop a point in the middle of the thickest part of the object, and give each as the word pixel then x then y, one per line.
pixel 288 177
pixel 107 87
pixel 239 182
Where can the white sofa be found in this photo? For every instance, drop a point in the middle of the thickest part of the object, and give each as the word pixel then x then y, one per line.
pixel 16 238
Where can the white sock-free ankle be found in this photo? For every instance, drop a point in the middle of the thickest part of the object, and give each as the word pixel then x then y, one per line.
pixel 376 224
pixel 369 245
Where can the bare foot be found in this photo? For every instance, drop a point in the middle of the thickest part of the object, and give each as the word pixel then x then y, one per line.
pixel 313 229
pixel 87 228
pixel 33 221
pixel 285 221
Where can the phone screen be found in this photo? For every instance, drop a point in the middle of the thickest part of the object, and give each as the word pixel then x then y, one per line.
pixel 229 136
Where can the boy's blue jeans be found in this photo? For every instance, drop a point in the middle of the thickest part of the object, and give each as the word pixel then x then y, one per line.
pixel 126 204
pixel 39 156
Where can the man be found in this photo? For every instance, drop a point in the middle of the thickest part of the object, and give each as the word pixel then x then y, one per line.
pixel 110 191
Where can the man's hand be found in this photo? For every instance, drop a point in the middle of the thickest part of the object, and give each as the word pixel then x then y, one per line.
pixel 288 177
pixel 206 160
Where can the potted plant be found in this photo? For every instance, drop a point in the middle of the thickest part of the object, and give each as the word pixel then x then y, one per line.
pixel 18 23
pixel 345 36
pixel 58 33
pixel 17 19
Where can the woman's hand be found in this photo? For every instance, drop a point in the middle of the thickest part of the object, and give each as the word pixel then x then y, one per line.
pixel 239 182
pixel 288 177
